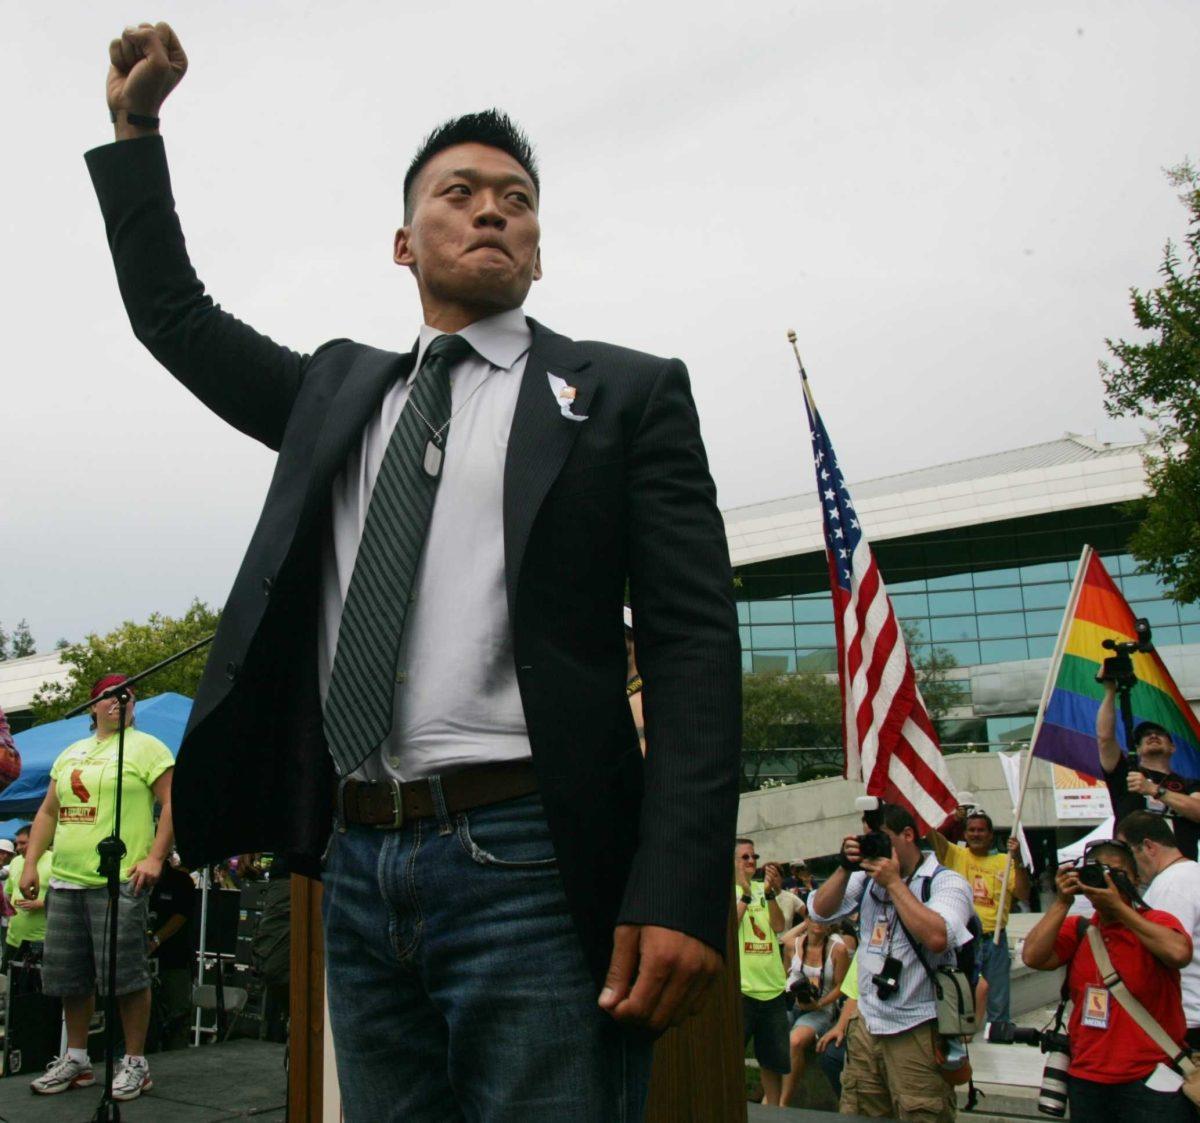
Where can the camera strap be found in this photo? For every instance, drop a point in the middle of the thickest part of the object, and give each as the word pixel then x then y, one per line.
pixel 1180 1058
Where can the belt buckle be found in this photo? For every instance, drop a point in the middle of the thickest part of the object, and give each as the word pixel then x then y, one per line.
pixel 397 808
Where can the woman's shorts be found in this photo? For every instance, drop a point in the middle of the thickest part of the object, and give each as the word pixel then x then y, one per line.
pixel 819 1021
pixel 75 962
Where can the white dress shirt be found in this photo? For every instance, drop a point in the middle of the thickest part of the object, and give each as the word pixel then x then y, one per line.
pixel 1176 890
pixel 456 701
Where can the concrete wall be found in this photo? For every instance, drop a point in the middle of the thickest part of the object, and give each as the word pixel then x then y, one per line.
pixel 810 820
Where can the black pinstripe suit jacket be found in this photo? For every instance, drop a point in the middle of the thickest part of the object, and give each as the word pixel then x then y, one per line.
pixel 625 495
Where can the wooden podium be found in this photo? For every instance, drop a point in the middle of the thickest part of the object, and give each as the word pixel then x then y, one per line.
pixel 698 1075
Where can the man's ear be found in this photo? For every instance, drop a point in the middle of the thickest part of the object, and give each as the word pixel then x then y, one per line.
pixel 402 247
pixel 537 264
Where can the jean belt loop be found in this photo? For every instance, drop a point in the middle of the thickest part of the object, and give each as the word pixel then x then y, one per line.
pixel 445 826
pixel 339 805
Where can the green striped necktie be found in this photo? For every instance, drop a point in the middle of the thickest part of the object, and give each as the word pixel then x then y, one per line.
pixel 358 706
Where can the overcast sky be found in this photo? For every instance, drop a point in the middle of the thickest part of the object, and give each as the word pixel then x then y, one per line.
pixel 947 201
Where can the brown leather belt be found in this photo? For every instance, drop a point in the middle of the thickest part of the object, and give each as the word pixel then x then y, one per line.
pixel 388 804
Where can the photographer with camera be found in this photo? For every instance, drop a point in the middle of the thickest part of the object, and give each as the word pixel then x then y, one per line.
pixel 913 914
pixel 1116 1071
pixel 819 963
pixel 764 1003
pixel 1172 884
pixel 1144 781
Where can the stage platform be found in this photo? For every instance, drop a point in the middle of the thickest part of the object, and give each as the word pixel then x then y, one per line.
pixel 211 1084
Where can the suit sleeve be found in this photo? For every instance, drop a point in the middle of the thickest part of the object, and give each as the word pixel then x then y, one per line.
pixel 243 376
pixel 688 652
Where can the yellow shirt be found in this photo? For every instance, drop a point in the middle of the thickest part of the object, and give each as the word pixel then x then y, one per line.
pixel 984 876
pixel 26 925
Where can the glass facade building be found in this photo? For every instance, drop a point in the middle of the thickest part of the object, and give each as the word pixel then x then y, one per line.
pixel 993 593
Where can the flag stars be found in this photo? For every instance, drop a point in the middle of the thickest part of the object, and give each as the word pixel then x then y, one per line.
pixel 824 474
pixel 841 553
pixel 833 514
pixel 829 494
pixel 854 524
pixel 837 532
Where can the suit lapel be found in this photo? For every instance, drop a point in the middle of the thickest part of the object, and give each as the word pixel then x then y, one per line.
pixel 540 440
pixel 352 406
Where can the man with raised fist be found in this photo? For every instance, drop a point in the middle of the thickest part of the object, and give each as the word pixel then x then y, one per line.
pixel 422 651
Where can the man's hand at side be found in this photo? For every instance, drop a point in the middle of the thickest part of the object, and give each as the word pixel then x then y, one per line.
pixel 145 64
pixel 657 977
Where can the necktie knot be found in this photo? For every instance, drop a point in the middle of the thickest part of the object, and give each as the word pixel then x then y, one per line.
pixel 450 348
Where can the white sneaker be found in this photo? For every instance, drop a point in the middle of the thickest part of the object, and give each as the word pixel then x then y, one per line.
pixel 131 1080
pixel 63 1073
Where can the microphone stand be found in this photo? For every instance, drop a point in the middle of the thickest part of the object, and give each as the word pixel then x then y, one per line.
pixel 111 850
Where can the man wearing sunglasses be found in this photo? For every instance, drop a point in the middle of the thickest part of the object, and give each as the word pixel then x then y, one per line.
pixel 1116 1070
pixel 764 1004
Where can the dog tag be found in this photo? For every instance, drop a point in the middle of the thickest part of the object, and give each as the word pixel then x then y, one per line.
pixel 433 460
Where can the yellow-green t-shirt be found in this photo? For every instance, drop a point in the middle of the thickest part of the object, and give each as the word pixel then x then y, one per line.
pixel 850 982
pixel 25 925
pixel 984 876
pixel 758 948
pixel 84 776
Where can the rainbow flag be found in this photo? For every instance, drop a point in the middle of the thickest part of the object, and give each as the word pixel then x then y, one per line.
pixel 1065 730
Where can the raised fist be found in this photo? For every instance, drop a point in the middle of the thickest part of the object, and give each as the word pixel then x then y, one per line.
pixel 147 63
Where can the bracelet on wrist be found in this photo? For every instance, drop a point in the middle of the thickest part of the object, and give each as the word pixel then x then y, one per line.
pixel 746 899
pixel 139 119
pixel 770 894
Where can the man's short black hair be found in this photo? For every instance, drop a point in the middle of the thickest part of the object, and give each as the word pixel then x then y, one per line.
pixel 23 829
pixel 490 127
pixel 1138 826
pixel 896 818
pixel 977 814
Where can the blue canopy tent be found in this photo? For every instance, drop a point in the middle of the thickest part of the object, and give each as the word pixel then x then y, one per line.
pixel 164 716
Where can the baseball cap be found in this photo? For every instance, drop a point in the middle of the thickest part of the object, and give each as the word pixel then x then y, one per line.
pixel 1143 727
pixel 105 681
pixel 6 845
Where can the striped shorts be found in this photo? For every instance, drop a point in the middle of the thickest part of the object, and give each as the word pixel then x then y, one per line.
pixel 75 961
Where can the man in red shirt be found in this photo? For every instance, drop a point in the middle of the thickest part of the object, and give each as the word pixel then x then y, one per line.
pixel 1116 1071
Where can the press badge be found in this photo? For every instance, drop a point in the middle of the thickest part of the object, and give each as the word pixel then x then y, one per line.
pixel 1095 1008
pixel 878 935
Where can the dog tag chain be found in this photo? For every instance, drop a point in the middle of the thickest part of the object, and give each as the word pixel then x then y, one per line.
pixel 434 452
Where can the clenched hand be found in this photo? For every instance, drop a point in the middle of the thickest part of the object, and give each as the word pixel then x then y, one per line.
pixel 145 64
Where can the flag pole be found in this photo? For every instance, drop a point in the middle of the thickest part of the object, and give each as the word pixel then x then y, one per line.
pixel 1047 689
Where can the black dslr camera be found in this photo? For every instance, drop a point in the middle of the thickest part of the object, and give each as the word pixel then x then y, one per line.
pixel 887 981
pixel 803 991
pixel 1091 869
pixel 875 843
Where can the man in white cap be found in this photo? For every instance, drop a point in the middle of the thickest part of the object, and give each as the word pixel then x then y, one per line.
pixel 7 850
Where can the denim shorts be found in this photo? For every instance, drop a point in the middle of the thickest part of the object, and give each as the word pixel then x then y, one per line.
pixel 75 962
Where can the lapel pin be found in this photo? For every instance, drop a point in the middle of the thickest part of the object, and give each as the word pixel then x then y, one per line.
pixel 564 397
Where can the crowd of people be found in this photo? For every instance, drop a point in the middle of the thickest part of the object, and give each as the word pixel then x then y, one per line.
pixel 851 981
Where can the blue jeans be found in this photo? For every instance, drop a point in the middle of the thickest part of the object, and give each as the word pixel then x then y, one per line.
pixel 997 969
pixel 458 989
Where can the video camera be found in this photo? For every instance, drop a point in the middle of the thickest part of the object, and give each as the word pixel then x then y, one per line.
pixel 804 991
pixel 1118 668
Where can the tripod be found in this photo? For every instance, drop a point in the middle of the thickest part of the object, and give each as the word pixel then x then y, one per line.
pixel 111 850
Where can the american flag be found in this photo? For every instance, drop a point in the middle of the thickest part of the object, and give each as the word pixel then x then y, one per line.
pixel 890 741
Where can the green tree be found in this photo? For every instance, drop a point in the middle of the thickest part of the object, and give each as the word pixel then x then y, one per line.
pixel 129 649
pixel 932 666
pixel 1158 378
pixel 22 642
pixel 3 644
pixel 787 711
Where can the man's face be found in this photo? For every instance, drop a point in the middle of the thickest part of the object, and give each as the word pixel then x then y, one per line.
pixel 979 835
pixel 107 713
pixel 21 842
pixel 746 859
pixel 473 236
pixel 1156 744
pixel 903 844
pixel 1144 860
